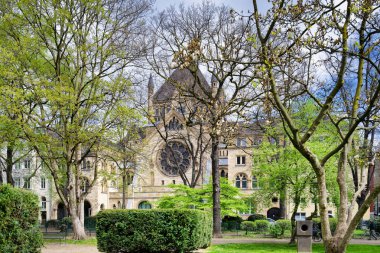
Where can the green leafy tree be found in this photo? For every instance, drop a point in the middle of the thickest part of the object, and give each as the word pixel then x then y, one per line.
pixel 311 49
pixel 81 50
pixel 201 198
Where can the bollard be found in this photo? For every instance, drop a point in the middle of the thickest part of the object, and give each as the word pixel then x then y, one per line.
pixel 304 234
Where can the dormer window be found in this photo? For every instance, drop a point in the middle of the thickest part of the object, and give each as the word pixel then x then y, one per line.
pixel 241 142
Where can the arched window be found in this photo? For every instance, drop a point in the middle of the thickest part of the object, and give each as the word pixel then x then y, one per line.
pixel 241 181
pixel 223 173
pixel 237 181
pixel 104 185
pixel 145 205
pixel 255 184
pixel 43 203
pixel 101 207
pixel 85 184
pixel 118 204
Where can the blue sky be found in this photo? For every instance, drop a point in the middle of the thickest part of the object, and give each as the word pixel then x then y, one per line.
pixel 238 5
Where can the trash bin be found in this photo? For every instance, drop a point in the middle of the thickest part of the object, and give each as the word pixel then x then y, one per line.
pixel 304 234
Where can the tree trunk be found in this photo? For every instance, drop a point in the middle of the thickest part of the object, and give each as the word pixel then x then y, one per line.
pixel 283 202
pixel 9 165
pixel 79 232
pixel 333 245
pixel 124 182
pixel 293 221
pixel 217 219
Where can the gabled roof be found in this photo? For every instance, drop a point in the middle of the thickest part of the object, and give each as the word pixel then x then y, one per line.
pixel 184 79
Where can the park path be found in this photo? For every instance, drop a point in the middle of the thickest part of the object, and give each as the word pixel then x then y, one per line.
pixel 73 248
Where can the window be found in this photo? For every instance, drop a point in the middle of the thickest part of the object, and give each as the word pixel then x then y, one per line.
pixel 26 183
pixel 241 142
pixel 162 182
pixel 104 185
pixel 86 165
pixel 43 183
pixel 85 185
pixel 43 203
pixel 145 205
pixel 27 164
pixel 173 181
pixel 113 184
pixel 274 200
pixel 240 160
pixel 255 184
pixel 223 174
pixel 17 166
pixel 223 161
pixel 241 181
pixel 17 182
pixel 300 216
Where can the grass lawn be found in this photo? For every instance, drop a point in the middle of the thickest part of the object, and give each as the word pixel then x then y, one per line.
pixel 283 248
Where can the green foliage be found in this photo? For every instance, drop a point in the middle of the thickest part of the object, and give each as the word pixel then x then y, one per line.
pixel 197 198
pixel 153 230
pixel 278 229
pixel 256 216
pixel 19 229
pixel 262 225
pixel 333 223
pixel 248 226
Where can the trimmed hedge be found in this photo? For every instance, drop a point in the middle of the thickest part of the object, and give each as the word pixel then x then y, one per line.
pixel 279 227
pixel 155 230
pixel 262 225
pixel 256 216
pixel 19 229
pixel 248 226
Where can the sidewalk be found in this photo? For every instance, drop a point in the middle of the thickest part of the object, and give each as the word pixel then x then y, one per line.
pixel 73 248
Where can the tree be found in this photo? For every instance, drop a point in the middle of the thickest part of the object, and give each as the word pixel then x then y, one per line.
pixel 338 37
pixel 205 36
pixel 77 79
pixel 201 198
pixel 15 102
pixel 123 144
pixel 281 168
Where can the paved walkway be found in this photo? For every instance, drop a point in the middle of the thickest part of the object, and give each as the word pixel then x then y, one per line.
pixel 72 248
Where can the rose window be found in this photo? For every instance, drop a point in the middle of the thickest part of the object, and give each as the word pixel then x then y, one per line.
pixel 174 158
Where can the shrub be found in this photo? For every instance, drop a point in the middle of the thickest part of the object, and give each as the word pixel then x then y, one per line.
pixel 90 222
pixel 153 230
pixel 19 229
pixel 228 218
pixel 256 216
pixel 248 226
pixel 278 229
pixel 231 222
pixel 377 224
pixel 333 223
pixel 262 225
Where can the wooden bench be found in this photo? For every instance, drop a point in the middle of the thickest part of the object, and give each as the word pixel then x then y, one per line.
pixel 54 235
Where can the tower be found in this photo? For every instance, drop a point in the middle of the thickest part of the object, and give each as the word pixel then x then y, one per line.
pixel 214 85
pixel 150 94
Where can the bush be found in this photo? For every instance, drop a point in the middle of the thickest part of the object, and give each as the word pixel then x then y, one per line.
pixel 248 226
pixel 231 222
pixel 90 222
pixel 278 229
pixel 153 230
pixel 256 216
pixel 19 229
pixel 333 223
pixel 262 225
